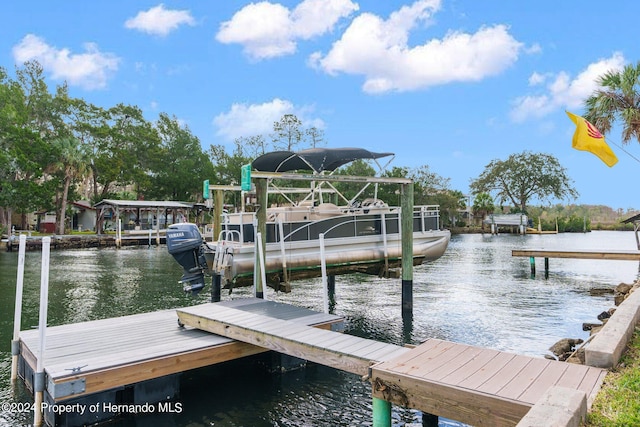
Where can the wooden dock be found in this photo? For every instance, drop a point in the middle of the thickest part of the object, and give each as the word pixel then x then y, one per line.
pixel 479 386
pixel 345 352
pixel 95 358
pixel 627 255
pixel 623 255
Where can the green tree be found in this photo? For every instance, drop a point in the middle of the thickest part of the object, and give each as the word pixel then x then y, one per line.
pixel 29 120
pixel 617 100
pixel 524 176
pixel 315 136
pixel 182 163
pixel 128 149
pixel 483 205
pixel 350 190
pixel 451 202
pixel 428 184
pixel 71 164
pixel 287 133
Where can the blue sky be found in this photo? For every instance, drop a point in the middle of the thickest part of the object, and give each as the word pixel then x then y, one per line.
pixel 451 84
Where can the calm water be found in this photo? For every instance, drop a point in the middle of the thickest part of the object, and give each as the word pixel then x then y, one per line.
pixel 477 293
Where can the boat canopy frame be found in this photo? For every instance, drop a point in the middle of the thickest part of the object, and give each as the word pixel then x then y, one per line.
pixel 318 161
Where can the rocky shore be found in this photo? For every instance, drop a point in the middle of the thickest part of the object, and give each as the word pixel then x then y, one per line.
pixel 572 350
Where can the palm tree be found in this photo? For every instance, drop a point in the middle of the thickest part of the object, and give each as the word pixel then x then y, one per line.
pixel 618 99
pixel 72 164
pixel 483 204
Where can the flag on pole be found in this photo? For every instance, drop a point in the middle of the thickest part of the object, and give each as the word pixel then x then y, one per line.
pixel 588 138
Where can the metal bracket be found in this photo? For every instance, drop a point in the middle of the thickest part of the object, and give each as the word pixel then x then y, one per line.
pixel 15 347
pixel 68 388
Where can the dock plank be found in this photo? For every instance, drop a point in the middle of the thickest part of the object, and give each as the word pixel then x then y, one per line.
pixel 319 346
pixel 477 386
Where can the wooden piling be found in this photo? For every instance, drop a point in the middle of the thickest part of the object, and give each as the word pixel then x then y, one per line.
pixel 261 216
pixel 217 215
pixel 407 248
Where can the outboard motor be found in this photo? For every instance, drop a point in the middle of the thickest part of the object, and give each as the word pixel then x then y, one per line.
pixel 184 242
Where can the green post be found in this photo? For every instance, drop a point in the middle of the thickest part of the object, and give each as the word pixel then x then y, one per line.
pixel 407 248
pixel 381 413
pixel 532 261
pixel 261 215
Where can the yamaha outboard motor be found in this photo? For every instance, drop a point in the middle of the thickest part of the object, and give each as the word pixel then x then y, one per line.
pixel 184 242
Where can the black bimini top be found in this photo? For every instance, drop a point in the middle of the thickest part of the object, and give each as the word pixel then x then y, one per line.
pixel 315 159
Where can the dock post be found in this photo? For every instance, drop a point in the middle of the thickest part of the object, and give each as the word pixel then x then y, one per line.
pixel 217 214
pixel 216 281
pixel 381 413
pixel 118 233
pixel 407 249
pixel 261 216
pixel 546 267
pixel 38 381
pixel 331 287
pixel 17 317
pixel 532 261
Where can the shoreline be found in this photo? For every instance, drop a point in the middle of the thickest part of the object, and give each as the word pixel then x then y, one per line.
pixel 80 241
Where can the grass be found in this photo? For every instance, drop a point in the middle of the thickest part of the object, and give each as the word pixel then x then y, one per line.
pixel 618 402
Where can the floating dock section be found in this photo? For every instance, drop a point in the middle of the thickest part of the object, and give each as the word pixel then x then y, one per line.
pixel 135 359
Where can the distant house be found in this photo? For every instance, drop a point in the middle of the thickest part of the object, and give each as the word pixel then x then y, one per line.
pixel 143 214
pixel 46 222
pixel 83 218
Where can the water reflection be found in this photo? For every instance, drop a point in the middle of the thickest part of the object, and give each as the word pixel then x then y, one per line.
pixel 477 294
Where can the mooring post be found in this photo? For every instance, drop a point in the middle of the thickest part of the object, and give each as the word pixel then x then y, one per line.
pixel 381 413
pixel 38 380
pixel 17 317
pixel 532 261
pixel 546 267
pixel 216 284
pixel 407 248
pixel 261 216
pixel 331 288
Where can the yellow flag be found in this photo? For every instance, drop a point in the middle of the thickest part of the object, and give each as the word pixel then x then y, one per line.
pixel 588 138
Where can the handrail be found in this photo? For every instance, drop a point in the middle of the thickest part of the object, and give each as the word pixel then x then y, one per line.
pixel 422 212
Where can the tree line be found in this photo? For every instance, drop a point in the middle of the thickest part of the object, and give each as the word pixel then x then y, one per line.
pixel 55 149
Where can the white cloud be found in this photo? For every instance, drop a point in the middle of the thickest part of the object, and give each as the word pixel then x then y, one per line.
pixel 89 70
pixel 268 30
pixel 560 91
pixel 379 50
pixel 245 120
pixel 159 21
pixel 537 79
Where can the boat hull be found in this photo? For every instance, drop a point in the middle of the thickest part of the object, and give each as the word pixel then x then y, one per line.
pixel 288 261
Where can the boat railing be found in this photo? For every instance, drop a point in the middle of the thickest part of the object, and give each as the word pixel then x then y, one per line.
pixel 362 221
pixel 229 236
